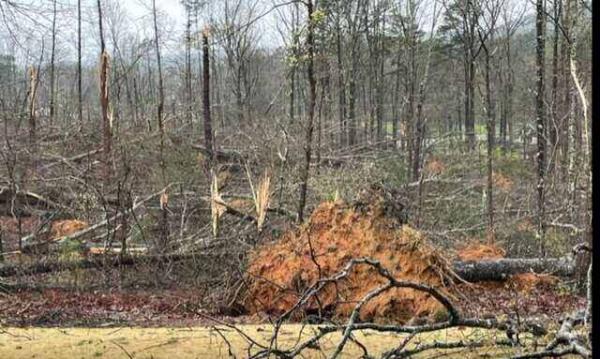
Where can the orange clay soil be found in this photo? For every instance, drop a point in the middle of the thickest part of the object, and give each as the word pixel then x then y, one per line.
pixel 338 232
pixel 67 227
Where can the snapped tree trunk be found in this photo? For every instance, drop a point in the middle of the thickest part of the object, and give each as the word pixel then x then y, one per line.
pixel 106 123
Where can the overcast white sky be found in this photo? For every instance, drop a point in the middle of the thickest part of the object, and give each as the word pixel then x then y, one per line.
pixel 36 24
pixel 172 8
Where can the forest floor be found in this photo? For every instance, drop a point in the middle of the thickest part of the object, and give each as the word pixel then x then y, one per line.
pixel 182 308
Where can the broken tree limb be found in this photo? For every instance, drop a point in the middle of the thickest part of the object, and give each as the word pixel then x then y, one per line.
pixel 28 244
pixel 221 155
pixel 71 159
pixel 500 269
pixel 25 199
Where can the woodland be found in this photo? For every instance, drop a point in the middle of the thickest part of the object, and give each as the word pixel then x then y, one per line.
pixel 300 178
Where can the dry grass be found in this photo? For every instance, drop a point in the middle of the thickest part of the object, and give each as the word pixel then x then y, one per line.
pixel 205 342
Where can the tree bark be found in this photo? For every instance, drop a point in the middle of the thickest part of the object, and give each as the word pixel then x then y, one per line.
pixel 188 68
pixel 52 64
pixel 341 87
pixel 312 83
pixel 106 123
pixel 208 134
pixel 486 270
pixel 79 90
pixel 554 126
pixel 540 119
pixel 500 269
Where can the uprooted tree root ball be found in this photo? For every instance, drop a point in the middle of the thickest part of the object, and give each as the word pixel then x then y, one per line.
pixel 337 232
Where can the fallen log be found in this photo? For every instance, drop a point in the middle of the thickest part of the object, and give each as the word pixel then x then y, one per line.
pixel 486 270
pixel 500 269
pixel 92 262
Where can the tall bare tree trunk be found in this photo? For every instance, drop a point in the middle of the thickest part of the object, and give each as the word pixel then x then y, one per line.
pixel 410 111
pixel 161 95
pixel 164 226
pixel 470 19
pixel 396 97
pixel 491 143
pixel 540 26
pixel 352 121
pixel 311 112
pixel 188 68
pixel 341 87
pixel 79 94
pixel 33 86
pixel 208 134
pixel 52 64
pixel 380 85
pixel 566 87
pixel 506 135
pixel 106 122
pixel 553 128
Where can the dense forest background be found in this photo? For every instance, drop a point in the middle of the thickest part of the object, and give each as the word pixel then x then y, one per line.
pixel 396 84
pixel 172 154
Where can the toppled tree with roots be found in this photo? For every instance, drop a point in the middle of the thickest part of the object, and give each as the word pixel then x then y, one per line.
pixel 336 233
pixel 361 264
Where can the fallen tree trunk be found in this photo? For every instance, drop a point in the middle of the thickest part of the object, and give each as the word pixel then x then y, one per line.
pixel 500 269
pixel 486 270
pixel 92 262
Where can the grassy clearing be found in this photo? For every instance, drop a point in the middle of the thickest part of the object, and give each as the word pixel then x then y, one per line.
pixel 206 342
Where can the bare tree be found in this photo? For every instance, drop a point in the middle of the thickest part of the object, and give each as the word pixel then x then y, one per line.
pixel 486 31
pixel 238 37
pixel 208 132
pixel 104 98
pixel 540 26
pixel 312 97
pixel 52 65
pixel 79 80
